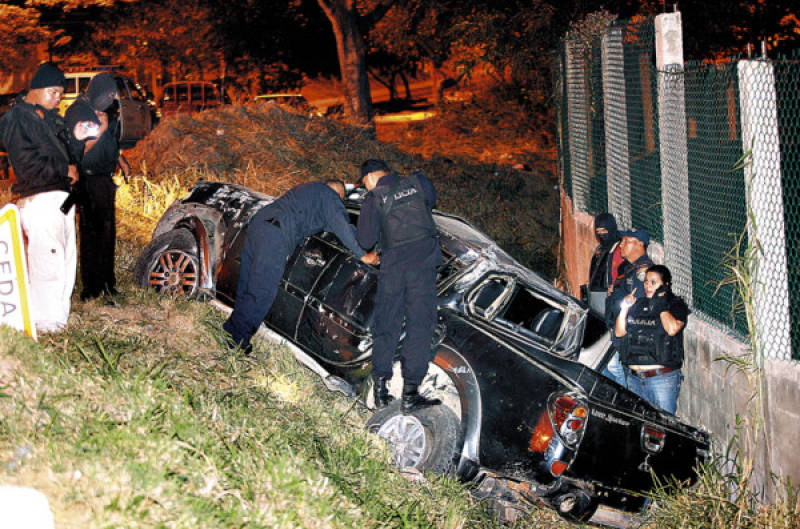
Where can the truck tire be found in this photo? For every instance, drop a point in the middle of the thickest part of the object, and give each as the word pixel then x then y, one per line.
pixel 169 264
pixel 426 439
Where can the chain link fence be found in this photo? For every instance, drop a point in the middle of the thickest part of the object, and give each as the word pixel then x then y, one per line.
pixel 787 85
pixel 726 177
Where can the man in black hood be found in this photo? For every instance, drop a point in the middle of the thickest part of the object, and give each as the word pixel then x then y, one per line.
pixel 603 272
pixel 605 261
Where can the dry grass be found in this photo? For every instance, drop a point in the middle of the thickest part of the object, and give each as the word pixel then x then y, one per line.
pixel 269 149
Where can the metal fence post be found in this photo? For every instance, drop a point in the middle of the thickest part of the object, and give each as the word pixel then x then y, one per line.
pixel 578 119
pixel 765 203
pixel 618 179
pixel 673 150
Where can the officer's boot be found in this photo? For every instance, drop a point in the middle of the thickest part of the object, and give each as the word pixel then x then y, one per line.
pixel 412 400
pixel 380 392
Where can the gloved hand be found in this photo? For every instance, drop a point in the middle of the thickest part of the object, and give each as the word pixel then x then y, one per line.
pixel 659 303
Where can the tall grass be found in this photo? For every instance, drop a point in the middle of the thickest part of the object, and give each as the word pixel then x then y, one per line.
pixel 727 494
pixel 129 420
pixel 141 201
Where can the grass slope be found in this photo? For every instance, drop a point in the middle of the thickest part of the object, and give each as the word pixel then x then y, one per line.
pixel 133 418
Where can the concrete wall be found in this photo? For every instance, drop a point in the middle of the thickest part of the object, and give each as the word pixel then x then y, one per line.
pixel 714 392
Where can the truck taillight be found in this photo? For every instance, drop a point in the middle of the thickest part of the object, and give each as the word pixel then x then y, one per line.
pixel 568 416
pixel 653 438
pixel 541 434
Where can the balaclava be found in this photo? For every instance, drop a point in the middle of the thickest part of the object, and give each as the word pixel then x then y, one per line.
pixel 606 220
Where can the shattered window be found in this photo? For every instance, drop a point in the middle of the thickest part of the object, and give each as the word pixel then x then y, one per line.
pixel 532 314
pixel 489 296
pixel 449 266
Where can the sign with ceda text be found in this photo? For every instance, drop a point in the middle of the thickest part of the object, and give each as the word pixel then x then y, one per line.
pixel 15 310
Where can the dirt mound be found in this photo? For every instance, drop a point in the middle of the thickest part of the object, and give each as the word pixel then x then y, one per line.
pixel 259 145
pixel 270 149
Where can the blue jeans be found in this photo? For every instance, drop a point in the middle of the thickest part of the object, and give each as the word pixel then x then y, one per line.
pixel 661 390
pixel 615 371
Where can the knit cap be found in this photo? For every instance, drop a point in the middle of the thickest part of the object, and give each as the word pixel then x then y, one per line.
pixel 47 75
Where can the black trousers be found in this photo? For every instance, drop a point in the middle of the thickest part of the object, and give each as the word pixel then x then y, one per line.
pixel 263 262
pixel 98 232
pixel 404 295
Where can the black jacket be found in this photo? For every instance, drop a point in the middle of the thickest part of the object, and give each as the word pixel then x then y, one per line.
pixel 310 208
pixel 423 253
pixel 35 151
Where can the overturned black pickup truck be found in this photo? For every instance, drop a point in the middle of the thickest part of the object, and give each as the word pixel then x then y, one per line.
pixel 517 361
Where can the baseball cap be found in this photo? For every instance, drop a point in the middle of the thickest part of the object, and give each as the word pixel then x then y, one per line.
pixel 642 235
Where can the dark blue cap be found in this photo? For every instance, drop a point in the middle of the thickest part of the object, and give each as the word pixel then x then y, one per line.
pixel 642 235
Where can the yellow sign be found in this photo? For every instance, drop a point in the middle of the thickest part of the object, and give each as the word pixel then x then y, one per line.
pixel 15 311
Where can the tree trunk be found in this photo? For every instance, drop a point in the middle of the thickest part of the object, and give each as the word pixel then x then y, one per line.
pixel 352 55
pixel 405 83
pixel 436 84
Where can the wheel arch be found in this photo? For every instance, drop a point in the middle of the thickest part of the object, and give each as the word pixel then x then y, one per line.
pixel 197 220
pixel 463 377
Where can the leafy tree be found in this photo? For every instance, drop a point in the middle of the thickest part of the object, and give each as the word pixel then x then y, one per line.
pixel 183 44
pixel 22 35
pixel 32 31
pixel 269 46
pixel 411 33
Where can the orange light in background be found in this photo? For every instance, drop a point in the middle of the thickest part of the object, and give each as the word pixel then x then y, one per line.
pixel 541 434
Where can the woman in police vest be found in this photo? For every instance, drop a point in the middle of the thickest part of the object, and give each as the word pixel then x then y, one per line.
pixel 651 332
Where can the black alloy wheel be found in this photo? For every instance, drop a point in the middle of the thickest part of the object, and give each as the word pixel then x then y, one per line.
pixel 169 264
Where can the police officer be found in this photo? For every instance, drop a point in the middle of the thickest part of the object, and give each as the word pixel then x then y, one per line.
pixel 98 159
pixel 272 235
pixel 630 278
pixel 396 213
pixel 650 334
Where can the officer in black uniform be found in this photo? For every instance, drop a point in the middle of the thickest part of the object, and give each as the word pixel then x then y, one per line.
pixel 96 206
pixel 397 214
pixel 650 332
pixel 602 272
pixel 272 235
pixel 632 273
pixel 630 278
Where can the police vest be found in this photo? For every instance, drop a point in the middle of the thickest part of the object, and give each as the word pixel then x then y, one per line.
pixel 403 214
pixel 647 343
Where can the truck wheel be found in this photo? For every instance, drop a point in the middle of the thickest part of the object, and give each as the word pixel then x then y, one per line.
pixel 169 264
pixel 425 439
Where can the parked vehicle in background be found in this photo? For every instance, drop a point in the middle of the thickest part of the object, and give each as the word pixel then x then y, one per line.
pixel 294 101
pixel 136 112
pixel 518 363
pixel 190 96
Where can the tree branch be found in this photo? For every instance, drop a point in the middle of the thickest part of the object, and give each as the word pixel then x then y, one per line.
pixel 374 16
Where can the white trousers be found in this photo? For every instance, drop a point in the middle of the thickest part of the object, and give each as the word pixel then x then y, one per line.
pixel 52 258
